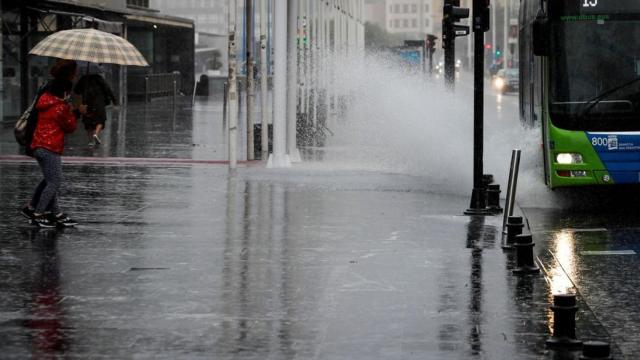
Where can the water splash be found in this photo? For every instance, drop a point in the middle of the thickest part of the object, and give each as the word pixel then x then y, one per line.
pixel 401 122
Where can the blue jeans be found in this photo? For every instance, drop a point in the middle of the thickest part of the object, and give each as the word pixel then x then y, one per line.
pixel 45 197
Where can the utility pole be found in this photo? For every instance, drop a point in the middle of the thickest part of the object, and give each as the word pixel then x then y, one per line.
pixel 233 88
pixel 279 158
pixel 251 93
pixel 264 82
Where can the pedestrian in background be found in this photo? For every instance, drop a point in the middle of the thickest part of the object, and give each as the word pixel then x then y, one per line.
pixel 97 95
pixel 56 117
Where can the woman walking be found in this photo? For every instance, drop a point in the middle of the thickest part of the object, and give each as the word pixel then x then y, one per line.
pixel 56 117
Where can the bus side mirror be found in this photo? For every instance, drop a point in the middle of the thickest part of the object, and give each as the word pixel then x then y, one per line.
pixel 541 36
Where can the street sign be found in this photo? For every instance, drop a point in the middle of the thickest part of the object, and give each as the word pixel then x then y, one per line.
pixel 461 30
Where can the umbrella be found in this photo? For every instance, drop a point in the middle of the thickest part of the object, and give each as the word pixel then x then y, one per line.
pixel 89 45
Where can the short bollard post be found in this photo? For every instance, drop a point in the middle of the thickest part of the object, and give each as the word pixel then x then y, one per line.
pixel 493 198
pixel 146 89
pixel 564 322
pixel 596 350
pixel 515 225
pixel 524 255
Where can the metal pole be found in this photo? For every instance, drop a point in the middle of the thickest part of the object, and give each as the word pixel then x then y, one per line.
pixel 494 36
pixel 478 197
pixel 175 94
pixel 225 100
pixel 193 95
pixel 146 89
pixel 250 80
pixel 449 41
pixel 2 68
pixel 233 88
pixel 264 80
pixel 292 83
pixel 279 157
pixel 505 47
pixel 122 114
pixel 512 186
pixel 24 58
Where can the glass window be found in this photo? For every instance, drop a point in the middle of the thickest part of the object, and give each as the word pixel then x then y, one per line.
pixel 405 8
pixel 405 23
pixel 414 23
pixel 414 8
pixel 593 77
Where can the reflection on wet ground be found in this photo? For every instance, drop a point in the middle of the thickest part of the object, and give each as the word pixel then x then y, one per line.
pixel 593 247
pixel 190 262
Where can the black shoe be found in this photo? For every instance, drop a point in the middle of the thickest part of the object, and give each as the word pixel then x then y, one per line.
pixel 27 213
pixel 96 139
pixel 64 221
pixel 44 221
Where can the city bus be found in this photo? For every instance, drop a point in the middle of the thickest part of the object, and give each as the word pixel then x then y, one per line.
pixel 580 81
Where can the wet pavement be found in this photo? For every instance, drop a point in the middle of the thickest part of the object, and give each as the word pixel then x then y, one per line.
pixel 180 258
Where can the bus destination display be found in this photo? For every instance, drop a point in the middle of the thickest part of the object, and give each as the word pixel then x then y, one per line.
pixel 593 7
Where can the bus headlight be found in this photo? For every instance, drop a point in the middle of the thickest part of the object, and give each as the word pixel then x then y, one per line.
pixel 568 158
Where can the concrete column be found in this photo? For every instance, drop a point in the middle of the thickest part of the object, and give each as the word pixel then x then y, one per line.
pixel 251 94
pixel 292 80
pixel 279 158
pixel 264 81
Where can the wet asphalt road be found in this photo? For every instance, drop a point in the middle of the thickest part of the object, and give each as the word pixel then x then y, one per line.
pixel 186 260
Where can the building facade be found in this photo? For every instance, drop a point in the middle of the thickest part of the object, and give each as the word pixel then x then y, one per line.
pixel 209 16
pixel 411 17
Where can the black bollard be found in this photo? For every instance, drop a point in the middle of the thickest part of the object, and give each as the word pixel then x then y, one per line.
pixel 596 350
pixel 493 198
pixel 564 322
pixel 515 225
pixel 524 255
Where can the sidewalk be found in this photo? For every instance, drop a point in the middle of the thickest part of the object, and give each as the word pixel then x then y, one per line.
pixel 181 259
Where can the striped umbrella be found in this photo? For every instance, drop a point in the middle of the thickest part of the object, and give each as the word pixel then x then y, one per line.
pixel 89 45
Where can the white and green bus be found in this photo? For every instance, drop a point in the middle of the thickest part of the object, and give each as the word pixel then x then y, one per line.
pixel 580 81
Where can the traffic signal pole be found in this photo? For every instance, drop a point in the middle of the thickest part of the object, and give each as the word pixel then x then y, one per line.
pixel 481 20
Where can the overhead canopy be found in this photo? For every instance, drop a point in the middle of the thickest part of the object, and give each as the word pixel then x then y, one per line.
pixel 160 20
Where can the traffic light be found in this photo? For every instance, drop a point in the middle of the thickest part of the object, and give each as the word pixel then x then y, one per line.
pixel 431 43
pixel 481 20
pixel 451 29
pixel 498 52
pixel 452 13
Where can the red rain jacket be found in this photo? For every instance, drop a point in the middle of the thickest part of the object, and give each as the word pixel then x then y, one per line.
pixel 55 119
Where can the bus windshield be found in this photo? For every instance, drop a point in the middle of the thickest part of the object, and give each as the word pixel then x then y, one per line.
pixel 593 64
